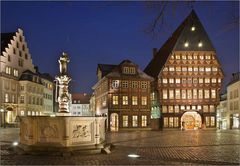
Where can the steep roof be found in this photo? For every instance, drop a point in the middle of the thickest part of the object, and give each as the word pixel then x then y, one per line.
pixel 5 40
pixel 106 68
pixel 176 43
pixel 83 97
pixel 27 75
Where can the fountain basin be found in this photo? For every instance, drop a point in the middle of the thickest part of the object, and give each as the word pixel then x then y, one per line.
pixel 62 134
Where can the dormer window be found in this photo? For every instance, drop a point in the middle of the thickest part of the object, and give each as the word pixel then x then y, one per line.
pixel 126 70
pixel 186 44
pixel 132 70
pixel 115 84
pixel 193 28
pixel 200 44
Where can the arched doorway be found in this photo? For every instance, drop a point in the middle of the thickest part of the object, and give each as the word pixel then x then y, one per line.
pixel 114 122
pixel 191 120
pixel 9 116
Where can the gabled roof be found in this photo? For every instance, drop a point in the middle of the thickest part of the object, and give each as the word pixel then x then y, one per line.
pixel 176 43
pixel 106 68
pixel 27 75
pixel 5 40
pixel 83 97
pixel 116 71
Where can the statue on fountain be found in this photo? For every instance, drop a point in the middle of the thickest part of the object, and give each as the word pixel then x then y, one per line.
pixel 62 84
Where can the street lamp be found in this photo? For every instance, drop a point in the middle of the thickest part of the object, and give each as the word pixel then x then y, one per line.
pixel 4 120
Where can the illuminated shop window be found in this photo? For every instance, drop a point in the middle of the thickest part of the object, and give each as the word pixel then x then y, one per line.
pixel 144 120
pixel 165 121
pixel 125 121
pixel 134 121
pixel 170 124
pixel 176 122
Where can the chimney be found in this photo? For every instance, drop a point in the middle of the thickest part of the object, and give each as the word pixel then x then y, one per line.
pixel 155 50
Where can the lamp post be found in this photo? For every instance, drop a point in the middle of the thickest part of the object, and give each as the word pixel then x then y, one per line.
pixel 4 121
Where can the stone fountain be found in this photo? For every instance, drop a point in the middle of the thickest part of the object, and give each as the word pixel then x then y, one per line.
pixel 62 134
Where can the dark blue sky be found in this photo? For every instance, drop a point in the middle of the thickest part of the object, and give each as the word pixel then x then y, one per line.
pixel 108 32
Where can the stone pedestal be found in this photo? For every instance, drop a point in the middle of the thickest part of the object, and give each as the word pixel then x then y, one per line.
pixel 62 134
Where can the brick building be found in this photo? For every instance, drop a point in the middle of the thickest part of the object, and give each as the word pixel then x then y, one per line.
pixel 122 93
pixel 187 77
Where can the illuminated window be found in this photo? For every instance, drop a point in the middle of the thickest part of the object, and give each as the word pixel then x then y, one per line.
pixel 207 80
pixel 200 44
pixel 126 70
pixel 184 80
pixel 188 107
pixel 200 93
pixel 171 94
pixel 165 94
pixel 22 99
pixel 219 80
pixel 165 80
pixel 199 107
pixel 177 93
pixel 195 80
pixel 201 57
pixel 212 121
pixel 170 122
pixel 195 57
pixel 208 69
pixel 124 84
pixel 15 72
pixel 189 56
pixel 175 121
pixel 22 113
pixel 6 97
pixel 115 84
pixel 29 113
pixel 170 109
pixel 206 94
pixel 213 93
pixel 183 94
pixel 208 56
pixel 184 69
pixel 178 57
pixel 144 85
pixel 184 57
pixel 164 109
pixel 201 69
pixel 8 70
pixel 134 121
pixel 200 80
pixel 178 81
pixel 134 100
pixel 212 109
pixel 165 121
pixel 144 120
pixel 176 109
pixel 125 120
pixel 171 80
pixel 165 69
pixel 171 69
pixel 195 94
pixel 214 80
pixel 195 69
pixel 182 107
pixel 125 100
pixel 134 84
pixel 189 69
pixel 207 121
pixel 214 69
pixel 144 100
pixel 115 100
pixel 205 108
pixel 189 80
pixel 193 107
pixel 178 68
pixel 189 94
pixel 132 70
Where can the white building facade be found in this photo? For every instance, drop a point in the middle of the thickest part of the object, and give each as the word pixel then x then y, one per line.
pixel 80 105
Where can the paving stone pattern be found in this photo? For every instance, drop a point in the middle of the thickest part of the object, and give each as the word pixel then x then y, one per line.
pixel 153 147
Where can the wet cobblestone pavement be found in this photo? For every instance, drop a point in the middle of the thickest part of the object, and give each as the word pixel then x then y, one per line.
pixel 153 147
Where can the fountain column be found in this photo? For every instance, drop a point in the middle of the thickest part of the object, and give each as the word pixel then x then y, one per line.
pixel 62 85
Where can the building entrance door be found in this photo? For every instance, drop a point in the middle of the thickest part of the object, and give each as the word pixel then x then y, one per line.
pixel 191 120
pixel 114 122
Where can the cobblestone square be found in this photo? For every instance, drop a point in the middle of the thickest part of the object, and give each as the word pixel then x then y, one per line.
pixel 154 148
